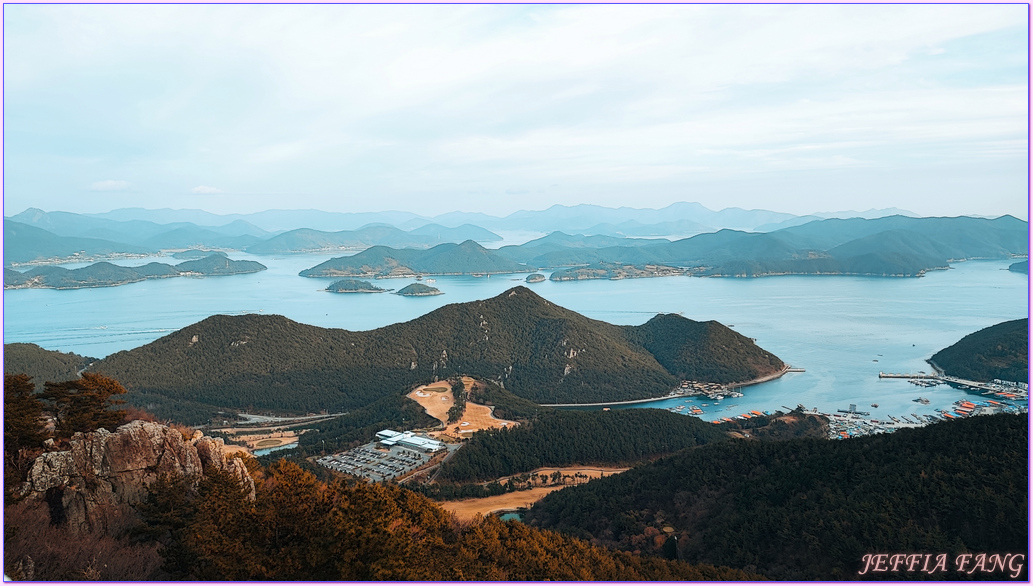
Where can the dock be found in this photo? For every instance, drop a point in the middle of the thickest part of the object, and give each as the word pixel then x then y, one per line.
pixel 908 375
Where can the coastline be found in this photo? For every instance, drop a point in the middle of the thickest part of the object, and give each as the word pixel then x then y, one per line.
pixel 763 379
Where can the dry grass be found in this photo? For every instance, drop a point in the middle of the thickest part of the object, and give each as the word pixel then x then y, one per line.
pixel 436 399
pixel 467 509
pixel 435 402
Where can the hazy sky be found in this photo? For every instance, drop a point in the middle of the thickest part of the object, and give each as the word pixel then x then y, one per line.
pixel 431 109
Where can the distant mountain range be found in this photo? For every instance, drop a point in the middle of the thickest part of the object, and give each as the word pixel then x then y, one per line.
pixel 891 246
pixel 38 236
pixel 105 274
pixel 678 219
pixel 537 350
pixel 307 240
pixel 897 245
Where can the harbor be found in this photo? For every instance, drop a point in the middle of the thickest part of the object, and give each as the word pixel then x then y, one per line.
pixel 956 399
pixel 844 426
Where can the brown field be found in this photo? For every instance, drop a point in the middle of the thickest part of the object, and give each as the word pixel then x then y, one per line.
pixel 466 509
pixel 437 399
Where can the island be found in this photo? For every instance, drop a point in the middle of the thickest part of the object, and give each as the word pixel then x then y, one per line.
pixel 354 286
pixel 105 274
pixel 1020 267
pixel 535 278
pixel 468 258
pixel 196 253
pixel 418 290
pixel 615 271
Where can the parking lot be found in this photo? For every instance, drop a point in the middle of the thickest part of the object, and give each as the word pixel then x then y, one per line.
pixel 376 464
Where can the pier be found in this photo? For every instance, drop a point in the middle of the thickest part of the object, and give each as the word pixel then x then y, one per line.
pixel 908 375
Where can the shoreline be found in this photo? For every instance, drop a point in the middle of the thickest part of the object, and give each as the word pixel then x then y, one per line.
pixel 756 381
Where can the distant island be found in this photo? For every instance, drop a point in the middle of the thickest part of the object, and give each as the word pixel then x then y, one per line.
pixel 105 274
pixel 535 278
pixel 195 253
pixel 1020 267
pixel 468 258
pixel 614 271
pixel 1000 351
pixel 354 286
pixel 418 290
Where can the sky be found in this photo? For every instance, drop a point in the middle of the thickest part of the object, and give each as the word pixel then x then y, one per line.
pixel 431 109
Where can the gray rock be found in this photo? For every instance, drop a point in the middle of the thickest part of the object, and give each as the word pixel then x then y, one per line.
pixel 103 472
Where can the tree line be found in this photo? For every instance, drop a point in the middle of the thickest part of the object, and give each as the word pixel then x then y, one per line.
pixel 810 509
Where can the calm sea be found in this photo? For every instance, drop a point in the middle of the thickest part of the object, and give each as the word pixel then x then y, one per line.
pixel 842 330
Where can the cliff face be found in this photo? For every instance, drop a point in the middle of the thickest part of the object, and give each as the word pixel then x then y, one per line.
pixel 104 472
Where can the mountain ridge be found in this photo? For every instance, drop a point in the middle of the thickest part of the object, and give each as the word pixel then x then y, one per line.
pixel 534 348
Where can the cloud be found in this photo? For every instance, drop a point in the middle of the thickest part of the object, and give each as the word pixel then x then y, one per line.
pixel 110 185
pixel 206 189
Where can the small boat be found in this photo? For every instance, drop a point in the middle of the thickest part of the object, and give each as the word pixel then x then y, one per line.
pixel 875 405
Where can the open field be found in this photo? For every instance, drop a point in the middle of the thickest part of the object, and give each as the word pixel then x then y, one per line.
pixel 436 399
pixel 466 509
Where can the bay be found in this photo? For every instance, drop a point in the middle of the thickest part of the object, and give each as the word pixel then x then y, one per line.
pixel 843 330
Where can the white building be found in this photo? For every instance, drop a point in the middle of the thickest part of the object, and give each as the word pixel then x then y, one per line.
pixel 408 439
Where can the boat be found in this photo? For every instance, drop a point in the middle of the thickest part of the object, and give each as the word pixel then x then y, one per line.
pixel 876 405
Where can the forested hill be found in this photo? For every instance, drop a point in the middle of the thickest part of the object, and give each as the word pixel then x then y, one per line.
pixel 536 349
pixel 1000 351
pixel 43 365
pixel 708 351
pixel 444 259
pixel 810 509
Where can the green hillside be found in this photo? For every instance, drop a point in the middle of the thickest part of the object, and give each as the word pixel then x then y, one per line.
pixel 1000 351
pixel 709 351
pixel 810 509
pixel 43 365
pixel 536 349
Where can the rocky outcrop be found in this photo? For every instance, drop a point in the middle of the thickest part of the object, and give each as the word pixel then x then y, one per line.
pixel 103 473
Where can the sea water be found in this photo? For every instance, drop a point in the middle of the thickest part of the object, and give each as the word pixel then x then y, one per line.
pixel 842 330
